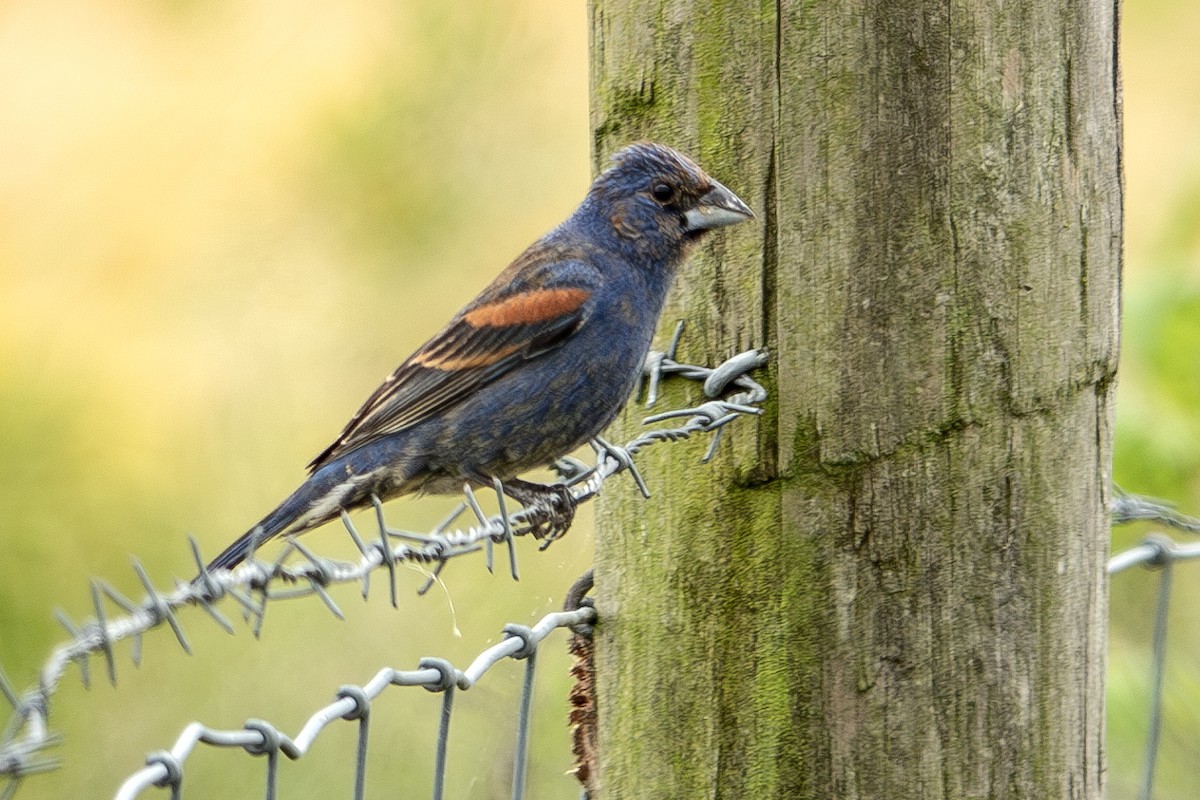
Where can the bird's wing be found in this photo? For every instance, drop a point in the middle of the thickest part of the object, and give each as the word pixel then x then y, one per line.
pixel 503 327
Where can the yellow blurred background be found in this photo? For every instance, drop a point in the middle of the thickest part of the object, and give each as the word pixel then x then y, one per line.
pixel 222 223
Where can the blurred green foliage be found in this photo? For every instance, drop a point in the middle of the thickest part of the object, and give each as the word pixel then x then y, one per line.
pixel 221 223
pixel 1157 448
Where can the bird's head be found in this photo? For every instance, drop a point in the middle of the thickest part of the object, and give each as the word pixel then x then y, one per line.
pixel 660 202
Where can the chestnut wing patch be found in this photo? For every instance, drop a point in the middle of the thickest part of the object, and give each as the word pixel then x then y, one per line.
pixel 528 308
pixel 480 344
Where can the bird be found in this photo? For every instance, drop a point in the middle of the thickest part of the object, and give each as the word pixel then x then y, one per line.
pixel 538 364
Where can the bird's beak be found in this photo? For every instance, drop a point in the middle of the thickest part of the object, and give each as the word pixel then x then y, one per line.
pixel 716 208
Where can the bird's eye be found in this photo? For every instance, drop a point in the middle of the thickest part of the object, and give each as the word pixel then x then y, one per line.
pixel 663 192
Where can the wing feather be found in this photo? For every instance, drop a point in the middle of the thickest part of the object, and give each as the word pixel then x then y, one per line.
pixel 495 333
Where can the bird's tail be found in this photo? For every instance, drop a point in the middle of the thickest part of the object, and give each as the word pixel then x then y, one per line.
pixel 318 500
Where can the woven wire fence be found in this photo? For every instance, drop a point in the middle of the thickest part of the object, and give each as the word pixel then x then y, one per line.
pixel 298 572
pixel 1160 553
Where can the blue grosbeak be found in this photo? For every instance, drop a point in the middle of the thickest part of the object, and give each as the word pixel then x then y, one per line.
pixel 535 366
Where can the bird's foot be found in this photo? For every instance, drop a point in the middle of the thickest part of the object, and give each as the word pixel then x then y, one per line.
pixel 554 501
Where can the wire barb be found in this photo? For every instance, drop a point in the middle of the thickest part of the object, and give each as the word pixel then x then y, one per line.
pixel 1127 507
pixel 508 532
pixel 298 572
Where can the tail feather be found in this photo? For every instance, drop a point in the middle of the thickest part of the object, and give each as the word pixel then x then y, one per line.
pixel 318 500
pixel 237 552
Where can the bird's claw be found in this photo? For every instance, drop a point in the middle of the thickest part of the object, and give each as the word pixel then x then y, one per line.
pixel 558 505
pixel 554 506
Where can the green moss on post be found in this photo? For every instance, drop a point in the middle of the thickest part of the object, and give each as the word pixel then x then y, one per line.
pixel 893 585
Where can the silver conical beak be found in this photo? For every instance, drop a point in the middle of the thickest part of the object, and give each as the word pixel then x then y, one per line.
pixel 717 207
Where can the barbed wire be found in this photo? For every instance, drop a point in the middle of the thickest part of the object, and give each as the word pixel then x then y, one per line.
pixel 1159 552
pixel 27 736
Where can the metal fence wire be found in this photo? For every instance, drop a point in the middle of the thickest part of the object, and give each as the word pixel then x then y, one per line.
pixel 27 738
pixel 1162 553
pixel 298 572
pixel 353 703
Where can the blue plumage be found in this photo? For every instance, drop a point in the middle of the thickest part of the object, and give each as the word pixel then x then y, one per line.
pixel 536 365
